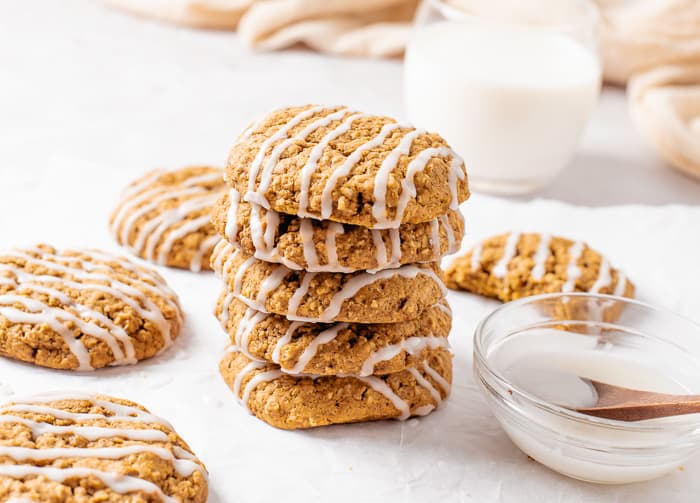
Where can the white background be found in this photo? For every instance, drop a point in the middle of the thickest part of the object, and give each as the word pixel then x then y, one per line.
pixel 90 99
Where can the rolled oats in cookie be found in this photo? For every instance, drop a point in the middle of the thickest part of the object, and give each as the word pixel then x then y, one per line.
pixel 81 448
pixel 336 348
pixel 514 265
pixel 323 245
pixel 334 163
pixel 304 401
pixel 83 309
pixel 389 296
pixel 165 216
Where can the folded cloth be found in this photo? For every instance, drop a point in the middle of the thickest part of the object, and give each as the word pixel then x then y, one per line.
pixel 665 103
pixel 378 28
pixel 639 35
pixel 215 14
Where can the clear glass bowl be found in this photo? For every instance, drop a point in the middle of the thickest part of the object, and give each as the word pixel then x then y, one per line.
pixel 597 330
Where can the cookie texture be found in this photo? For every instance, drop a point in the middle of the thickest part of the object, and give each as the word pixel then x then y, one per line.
pixel 292 401
pixel 165 216
pixel 322 245
pixel 337 164
pixel 83 309
pixel 336 348
pixel 515 265
pixel 79 448
pixel 389 296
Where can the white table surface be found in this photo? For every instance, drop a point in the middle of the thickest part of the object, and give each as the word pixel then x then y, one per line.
pixel 90 99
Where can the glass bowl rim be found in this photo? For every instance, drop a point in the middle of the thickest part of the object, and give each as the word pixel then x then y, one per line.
pixel 482 366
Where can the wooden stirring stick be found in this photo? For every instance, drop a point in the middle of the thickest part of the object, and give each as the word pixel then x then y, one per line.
pixel 624 404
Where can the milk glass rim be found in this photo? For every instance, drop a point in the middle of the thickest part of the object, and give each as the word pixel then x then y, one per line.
pixel 484 369
pixel 452 13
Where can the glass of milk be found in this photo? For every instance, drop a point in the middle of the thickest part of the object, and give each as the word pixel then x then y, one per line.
pixel 509 84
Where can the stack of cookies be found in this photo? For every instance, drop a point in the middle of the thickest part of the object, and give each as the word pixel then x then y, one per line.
pixel 333 299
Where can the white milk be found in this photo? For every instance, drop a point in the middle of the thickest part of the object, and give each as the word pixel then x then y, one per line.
pixel 511 100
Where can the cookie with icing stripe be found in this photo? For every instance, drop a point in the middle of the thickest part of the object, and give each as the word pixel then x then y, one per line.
pixel 293 401
pixel 83 309
pixel 515 265
pixel 322 245
pixel 336 348
pixel 334 163
pixel 80 448
pixel 389 296
pixel 165 216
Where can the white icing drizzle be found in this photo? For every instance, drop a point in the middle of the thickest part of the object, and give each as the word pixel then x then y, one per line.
pixel 573 271
pixel 270 283
pixel 260 378
pixel 456 173
pixel 346 167
pixel 217 256
pixel 117 482
pixel 312 162
pixel 88 321
pixel 411 345
pixel 280 134
pixel 207 246
pixel 284 340
pixel 374 382
pixel 119 412
pixel 90 433
pixel 380 386
pixel 348 290
pixel 300 293
pixel 150 233
pixel 247 323
pixel 444 307
pixel 476 257
pixel 356 283
pixel 604 276
pixel 312 349
pixel 541 255
pixel 184 467
pixel 381 181
pixel 332 231
pixel 306 231
pixel 511 248
pixel 281 141
pixel 380 250
pixel 250 367
pixel 442 382
pixel 258 196
pixel 621 285
pixel 263 233
pixel 240 272
pixel 424 383
pixel 451 241
pixel 395 239
pixel 183 461
pixel 231 229
pixel 408 187
pixel 435 237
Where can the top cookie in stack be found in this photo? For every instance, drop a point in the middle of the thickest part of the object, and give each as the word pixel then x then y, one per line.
pixel 334 223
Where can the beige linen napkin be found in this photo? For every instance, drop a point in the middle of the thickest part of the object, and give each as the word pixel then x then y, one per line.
pixel 217 14
pixel 654 46
pixel 639 35
pixel 665 103
pixel 377 28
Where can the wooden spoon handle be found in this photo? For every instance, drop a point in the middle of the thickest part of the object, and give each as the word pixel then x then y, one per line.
pixel 641 411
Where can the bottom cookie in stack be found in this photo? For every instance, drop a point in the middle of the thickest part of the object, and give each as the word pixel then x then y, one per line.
pixel 303 401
